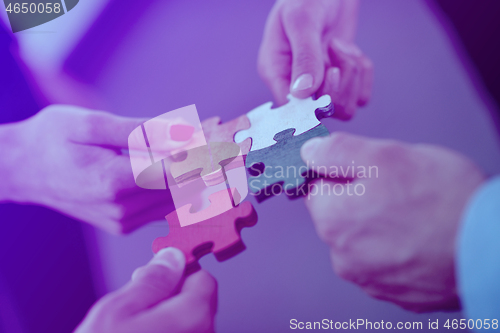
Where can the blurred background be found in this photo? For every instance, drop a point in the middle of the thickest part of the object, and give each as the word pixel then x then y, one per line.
pixel 143 59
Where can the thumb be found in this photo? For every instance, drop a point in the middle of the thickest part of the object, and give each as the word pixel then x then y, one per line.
pixel 339 150
pixel 307 56
pixel 152 283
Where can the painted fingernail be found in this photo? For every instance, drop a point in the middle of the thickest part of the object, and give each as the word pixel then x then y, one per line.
pixel 303 82
pixel 169 257
pixel 335 77
pixel 309 148
pixel 181 132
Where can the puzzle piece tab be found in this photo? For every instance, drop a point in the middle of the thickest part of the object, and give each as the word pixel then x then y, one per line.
pixel 220 234
pixel 279 167
pixel 299 114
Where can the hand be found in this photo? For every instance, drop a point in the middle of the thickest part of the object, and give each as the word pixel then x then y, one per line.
pixel 308 47
pixel 150 302
pixel 70 159
pixel 393 228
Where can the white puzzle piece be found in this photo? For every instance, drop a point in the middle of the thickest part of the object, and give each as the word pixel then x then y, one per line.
pixel 265 122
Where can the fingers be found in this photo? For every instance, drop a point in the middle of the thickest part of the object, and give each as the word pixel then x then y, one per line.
pixel 87 126
pixel 192 310
pixel 298 54
pixel 151 284
pixel 275 58
pixel 339 156
pixel 334 208
pixel 203 287
pixel 337 150
pixel 149 213
pixel 280 87
pixel 366 78
pixel 105 129
pixel 331 83
pixel 350 218
pixel 349 80
pixel 303 30
pixel 126 205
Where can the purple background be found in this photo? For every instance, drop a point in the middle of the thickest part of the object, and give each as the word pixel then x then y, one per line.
pixel 183 52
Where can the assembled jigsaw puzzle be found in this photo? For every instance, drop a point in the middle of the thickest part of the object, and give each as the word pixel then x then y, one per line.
pixel 271 140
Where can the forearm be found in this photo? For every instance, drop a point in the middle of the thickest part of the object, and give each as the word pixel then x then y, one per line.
pixel 10 161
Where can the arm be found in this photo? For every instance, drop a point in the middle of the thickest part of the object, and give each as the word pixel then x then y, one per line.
pixel 9 146
pixel 70 159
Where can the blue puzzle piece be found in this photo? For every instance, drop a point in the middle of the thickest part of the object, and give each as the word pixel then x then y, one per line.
pixel 279 168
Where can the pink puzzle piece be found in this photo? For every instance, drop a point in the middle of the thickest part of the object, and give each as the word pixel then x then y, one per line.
pixel 220 202
pixel 219 234
pixel 197 193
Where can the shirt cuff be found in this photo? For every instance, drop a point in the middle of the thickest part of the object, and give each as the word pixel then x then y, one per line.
pixel 478 254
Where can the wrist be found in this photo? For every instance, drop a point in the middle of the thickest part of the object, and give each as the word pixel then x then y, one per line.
pixel 11 161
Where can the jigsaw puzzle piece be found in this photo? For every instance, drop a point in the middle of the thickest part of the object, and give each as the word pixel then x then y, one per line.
pixel 206 162
pixel 220 202
pixel 215 131
pixel 220 234
pixel 299 114
pixel 279 168
pixel 197 193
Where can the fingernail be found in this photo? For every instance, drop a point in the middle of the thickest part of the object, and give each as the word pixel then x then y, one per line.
pixel 309 148
pixel 169 257
pixel 303 82
pixel 335 77
pixel 181 132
